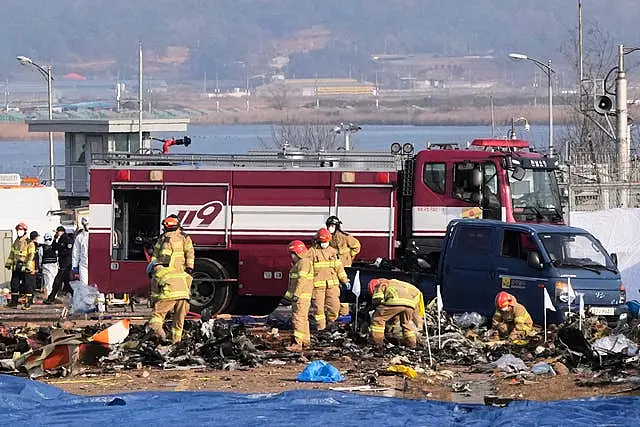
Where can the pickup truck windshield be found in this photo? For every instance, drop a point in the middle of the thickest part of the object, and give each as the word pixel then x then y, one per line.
pixel 576 250
pixel 536 196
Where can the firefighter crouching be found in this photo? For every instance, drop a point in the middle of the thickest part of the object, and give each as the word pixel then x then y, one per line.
pixel 299 293
pixel 21 262
pixel 171 270
pixel 394 298
pixel 328 273
pixel 511 319
pixel 346 245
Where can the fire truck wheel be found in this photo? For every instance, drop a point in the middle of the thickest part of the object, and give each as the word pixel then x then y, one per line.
pixel 203 292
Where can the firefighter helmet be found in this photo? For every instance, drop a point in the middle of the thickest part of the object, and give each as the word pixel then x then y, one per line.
pixel 333 220
pixel 504 300
pixel 172 222
pixel 297 247
pixel 84 220
pixel 323 235
pixel 48 237
pixel 372 285
pixel 21 226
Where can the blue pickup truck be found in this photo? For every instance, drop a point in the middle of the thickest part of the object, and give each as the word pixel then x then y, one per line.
pixel 480 258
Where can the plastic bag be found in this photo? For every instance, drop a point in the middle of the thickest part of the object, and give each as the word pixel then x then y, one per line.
pixel 469 320
pixel 84 297
pixel 407 371
pixel 510 364
pixel 320 371
pixel 542 368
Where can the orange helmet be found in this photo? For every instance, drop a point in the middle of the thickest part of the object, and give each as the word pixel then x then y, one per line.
pixel 372 285
pixel 504 300
pixel 323 235
pixel 171 222
pixel 21 226
pixel 297 247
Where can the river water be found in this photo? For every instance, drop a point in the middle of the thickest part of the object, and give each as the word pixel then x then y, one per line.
pixel 21 156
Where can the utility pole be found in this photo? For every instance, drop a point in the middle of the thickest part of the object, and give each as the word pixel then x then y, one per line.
pixel 140 94
pixel 493 118
pixel 622 129
pixel 550 88
pixel 6 96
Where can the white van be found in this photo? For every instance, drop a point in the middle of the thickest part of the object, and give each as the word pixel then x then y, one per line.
pixel 24 200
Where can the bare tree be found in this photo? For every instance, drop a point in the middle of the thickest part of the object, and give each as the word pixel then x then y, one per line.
pixel 278 95
pixel 589 135
pixel 314 137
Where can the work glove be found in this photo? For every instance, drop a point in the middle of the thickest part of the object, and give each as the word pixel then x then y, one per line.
pixel 189 271
pixel 8 266
pixel 76 270
pixel 347 286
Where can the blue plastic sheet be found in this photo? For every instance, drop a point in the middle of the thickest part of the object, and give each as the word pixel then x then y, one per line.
pixel 30 403
pixel 320 371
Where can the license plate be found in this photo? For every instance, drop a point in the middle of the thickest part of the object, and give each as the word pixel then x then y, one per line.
pixel 602 311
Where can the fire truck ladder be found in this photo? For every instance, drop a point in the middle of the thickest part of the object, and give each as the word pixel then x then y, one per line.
pixel 257 160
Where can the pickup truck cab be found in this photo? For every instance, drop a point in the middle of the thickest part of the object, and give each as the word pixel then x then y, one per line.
pixel 483 257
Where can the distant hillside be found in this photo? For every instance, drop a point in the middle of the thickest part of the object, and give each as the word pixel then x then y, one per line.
pixel 328 37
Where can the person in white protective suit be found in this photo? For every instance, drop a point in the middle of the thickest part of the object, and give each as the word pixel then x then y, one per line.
pixel 48 262
pixel 80 254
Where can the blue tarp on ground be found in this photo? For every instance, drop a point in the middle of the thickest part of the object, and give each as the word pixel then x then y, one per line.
pixel 24 402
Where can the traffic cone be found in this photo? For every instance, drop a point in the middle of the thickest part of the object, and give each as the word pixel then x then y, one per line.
pixel 114 334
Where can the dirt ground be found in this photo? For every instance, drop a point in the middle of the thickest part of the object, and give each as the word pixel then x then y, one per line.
pixel 280 376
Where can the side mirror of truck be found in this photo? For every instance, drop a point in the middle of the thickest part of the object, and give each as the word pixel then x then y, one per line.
pixel 476 178
pixel 534 261
pixel 614 259
pixel 518 174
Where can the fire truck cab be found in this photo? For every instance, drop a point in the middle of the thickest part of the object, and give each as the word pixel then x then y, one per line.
pixel 242 210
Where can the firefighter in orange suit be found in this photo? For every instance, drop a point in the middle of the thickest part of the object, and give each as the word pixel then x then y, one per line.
pixel 299 293
pixel 394 298
pixel 22 263
pixel 511 319
pixel 346 245
pixel 171 270
pixel 328 274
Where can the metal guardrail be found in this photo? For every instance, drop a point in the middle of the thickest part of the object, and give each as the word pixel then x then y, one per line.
pixel 71 180
pixel 267 160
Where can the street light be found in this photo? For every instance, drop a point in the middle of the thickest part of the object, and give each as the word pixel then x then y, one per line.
pixel 46 73
pixel 347 129
pixel 546 68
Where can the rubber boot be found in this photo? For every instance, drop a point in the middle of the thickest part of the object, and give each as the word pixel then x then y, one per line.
pixel 28 300
pixel 14 301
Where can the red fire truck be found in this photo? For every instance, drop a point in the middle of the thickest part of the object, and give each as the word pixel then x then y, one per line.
pixel 242 210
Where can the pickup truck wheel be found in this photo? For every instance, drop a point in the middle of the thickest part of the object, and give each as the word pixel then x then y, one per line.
pixel 206 294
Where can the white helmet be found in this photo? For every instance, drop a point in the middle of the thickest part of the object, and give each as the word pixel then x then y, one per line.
pixel 84 220
pixel 48 237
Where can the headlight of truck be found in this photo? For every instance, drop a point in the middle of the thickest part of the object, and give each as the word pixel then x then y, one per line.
pixel 562 292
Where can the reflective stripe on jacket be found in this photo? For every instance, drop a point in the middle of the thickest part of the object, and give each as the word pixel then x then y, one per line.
pixel 173 253
pixel 518 317
pixel 300 280
pixel 347 247
pixel 22 255
pixel 328 270
pixel 396 293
